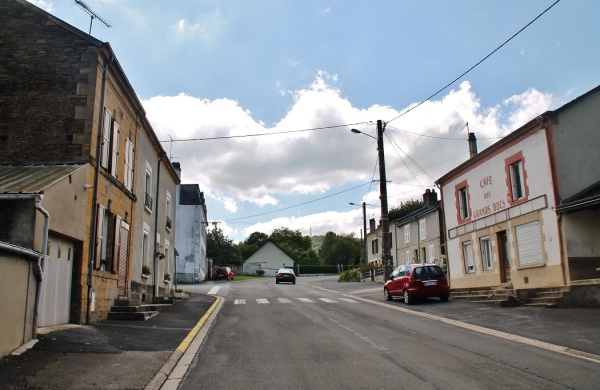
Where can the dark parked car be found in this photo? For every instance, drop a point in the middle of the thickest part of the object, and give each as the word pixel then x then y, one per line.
pixel 413 281
pixel 285 275
pixel 223 273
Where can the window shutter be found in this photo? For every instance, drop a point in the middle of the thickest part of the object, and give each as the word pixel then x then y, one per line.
pixel 115 149
pixel 529 244
pixel 116 245
pixel 107 125
pixel 99 237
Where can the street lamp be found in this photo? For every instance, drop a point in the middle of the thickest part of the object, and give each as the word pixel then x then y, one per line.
pixel 385 222
pixel 364 208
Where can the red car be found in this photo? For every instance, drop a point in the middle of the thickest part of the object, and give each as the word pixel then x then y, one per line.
pixel 223 273
pixel 413 281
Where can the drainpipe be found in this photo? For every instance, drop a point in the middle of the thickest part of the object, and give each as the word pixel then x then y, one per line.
pixel 155 287
pixel 94 233
pixel 39 267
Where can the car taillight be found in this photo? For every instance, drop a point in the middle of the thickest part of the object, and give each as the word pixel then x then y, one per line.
pixel 278 275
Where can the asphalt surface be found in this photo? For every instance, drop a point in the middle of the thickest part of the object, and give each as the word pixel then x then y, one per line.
pixel 133 354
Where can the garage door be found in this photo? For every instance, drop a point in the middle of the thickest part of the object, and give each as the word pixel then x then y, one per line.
pixel 56 287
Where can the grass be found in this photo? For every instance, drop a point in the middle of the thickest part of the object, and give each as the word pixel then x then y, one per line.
pixel 249 277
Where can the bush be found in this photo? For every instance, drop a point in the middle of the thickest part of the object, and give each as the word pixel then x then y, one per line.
pixel 260 272
pixel 351 275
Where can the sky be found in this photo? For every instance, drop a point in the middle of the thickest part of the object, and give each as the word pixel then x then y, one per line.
pixel 256 99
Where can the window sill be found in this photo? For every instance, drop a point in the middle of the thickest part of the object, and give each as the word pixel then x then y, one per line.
pixel 144 276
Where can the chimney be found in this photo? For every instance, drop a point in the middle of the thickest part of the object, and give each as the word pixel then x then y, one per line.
pixel 429 198
pixel 472 145
pixel 177 167
pixel 371 225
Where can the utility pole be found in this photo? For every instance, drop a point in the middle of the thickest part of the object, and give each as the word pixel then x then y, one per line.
pixel 385 220
pixel 364 207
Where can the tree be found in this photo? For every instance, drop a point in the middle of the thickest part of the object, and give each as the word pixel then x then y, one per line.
pixel 404 209
pixel 297 246
pixel 342 249
pixel 251 244
pixel 221 249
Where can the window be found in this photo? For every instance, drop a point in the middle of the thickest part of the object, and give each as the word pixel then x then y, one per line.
pixel 516 178
pixel 406 233
pixel 168 211
pixel 422 229
pixel 463 203
pixel 468 257
pixel 99 237
pixel 148 188
pixel 407 257
pixel 145 244
pixel 430 253
pixel 114 146
pixel 529 244
pixel 129 163
pixel 486 253
pixel 374 246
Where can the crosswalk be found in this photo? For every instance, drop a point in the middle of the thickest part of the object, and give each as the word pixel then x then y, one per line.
pixel 265 301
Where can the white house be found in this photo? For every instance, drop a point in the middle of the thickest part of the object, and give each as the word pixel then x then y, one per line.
pixel 191 265
pixel 524 213
pixel 269 257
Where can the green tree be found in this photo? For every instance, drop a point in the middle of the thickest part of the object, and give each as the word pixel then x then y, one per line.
pixel 251 244
pixel 297 246
pixel 404 209
pixel 340 249
pixel 221 249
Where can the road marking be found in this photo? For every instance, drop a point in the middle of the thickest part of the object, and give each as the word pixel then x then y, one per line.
pixel 327 300
pixel 262 301
pixel 239 302
pixel 214 290
pixel 348 300
pixel 306 300
pixel 284 300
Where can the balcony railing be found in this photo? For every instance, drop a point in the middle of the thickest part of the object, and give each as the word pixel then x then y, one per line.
pixel 148 201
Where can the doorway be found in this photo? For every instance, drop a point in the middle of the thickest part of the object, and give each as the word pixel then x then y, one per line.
pixel 503 257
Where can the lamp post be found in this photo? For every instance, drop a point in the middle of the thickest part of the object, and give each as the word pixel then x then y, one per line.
pixel 385 222
pixel 364 208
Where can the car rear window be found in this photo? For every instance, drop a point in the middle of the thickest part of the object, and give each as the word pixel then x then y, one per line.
pixel 430 271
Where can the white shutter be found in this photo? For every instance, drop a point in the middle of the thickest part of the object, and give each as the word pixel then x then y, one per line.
pixel 529 244
pixel 107 125
pixel 115 150
pixel 99 236
pixel 468 254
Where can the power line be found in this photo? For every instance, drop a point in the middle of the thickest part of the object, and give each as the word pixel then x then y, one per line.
pixel 297 205
pixel 436 137
pixel 263 134
pixel 474 66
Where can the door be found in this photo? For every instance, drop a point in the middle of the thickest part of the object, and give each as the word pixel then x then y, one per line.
pixel 56 287
pixel 504 257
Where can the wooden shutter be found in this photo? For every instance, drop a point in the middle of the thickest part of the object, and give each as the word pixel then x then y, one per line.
pixel 99 237
pixel 107 125
pixel 116 245
pixel 122 267
pixel 114 158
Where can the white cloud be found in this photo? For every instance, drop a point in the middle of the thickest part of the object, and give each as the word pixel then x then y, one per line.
pixel 45 5
pixel 260 171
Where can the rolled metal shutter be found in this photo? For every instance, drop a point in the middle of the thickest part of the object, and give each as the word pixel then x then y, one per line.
pixel 529 244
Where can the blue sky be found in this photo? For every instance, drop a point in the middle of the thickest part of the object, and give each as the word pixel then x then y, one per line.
pixel 229 68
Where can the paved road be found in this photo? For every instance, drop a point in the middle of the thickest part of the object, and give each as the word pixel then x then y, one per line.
pixel 304 336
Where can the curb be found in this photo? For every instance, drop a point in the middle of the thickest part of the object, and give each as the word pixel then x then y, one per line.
pixel 167 368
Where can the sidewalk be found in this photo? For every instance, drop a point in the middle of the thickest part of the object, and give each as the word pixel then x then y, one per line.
pixel 106 355
pixel 141 354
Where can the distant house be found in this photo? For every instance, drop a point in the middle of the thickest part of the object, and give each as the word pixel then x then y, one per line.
pixel 268 257
pixel 374 244
pixel 191 265
pixel 524 213
pixel 42 209
pixel 419 235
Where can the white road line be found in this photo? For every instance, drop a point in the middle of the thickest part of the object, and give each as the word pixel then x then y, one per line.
pixel 262 301
pixel 239 302
pixel 348 300
pixel 327 300
pixel 284 300
pixel 214 290
pixel 306 300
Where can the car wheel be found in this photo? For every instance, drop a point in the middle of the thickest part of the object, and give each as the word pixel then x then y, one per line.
pixel 444 298
pixel 386 295
pixel 294 282
pixel 277 282
pixel 407 298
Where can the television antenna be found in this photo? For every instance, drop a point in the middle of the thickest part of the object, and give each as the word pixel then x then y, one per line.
pixel 93 15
